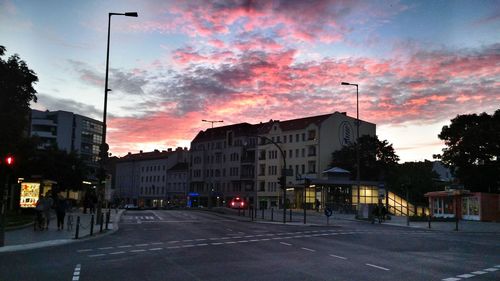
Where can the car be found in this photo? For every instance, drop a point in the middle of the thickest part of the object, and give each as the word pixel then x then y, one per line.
pixel 237 203
pixel 131 207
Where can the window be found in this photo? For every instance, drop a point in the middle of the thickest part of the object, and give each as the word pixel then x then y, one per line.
pixel 284 139
pixel 311 150
pixel 290 153
pixel 303 136
pixel 311 167
pixel 297 138
pixel 290 138
pixel 311 135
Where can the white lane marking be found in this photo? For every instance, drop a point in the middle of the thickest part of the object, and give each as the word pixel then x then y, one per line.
pixel 157 243
pixel 96 255
pixel 125 246
pixel 76 272
pixel 376 266
pixel 497 266
pixel 84 250
pixel 265 239
pixel 491 269
pixel 105 248
pixel 479 272
pixel 202 244
pixel 173 247
pixel 137 251
pixel 338 257
pixel 242 241
pixel 451 279
pixel 254 240
pixel 230 242
pixel 117 253
pixel 288 244
pixel 217 243
pixel 187 246
pixel 307 249
pixel 155 249
pixel 141 245
pixel 175 241
pixel 201 239
pixel 277 238
pixel 466 275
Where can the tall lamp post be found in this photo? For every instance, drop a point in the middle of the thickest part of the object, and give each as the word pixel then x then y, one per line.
pixel 104 146
pixel 357 138
pixel 282 179
pixel 212 121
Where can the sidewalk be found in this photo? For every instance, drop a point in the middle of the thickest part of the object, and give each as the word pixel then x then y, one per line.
pixel 314 218
pixel 26 238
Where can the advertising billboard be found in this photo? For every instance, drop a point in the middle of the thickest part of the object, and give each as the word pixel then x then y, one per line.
pixel 30 192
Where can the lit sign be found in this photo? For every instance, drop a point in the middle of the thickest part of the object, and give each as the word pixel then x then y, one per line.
pixel 29 194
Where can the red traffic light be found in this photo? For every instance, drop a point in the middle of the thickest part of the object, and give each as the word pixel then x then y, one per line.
pixel 9 160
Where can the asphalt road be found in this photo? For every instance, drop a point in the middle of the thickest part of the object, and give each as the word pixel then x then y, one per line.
pixel 199 245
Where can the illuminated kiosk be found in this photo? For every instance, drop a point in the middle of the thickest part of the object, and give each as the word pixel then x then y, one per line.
pixel 466 205
pixel 335 190
pixel 30 192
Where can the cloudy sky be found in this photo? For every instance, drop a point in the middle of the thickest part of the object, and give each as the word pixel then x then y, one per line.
pixel 418 64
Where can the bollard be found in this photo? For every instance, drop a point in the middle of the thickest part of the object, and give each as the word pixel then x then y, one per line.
pixel 91 225
pixel 77 227
pixel 429 220
pixel 290 214
pixel 262 213
pixel 102 222
pixel 108 215
pixel 272 214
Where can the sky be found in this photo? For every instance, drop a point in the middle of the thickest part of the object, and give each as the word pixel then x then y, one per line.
pixel 418 64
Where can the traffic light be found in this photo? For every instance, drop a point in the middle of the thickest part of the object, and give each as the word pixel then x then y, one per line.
pixel 282 182
pixel 9 160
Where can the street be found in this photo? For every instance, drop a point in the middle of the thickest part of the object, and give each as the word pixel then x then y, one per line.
pixel 201 245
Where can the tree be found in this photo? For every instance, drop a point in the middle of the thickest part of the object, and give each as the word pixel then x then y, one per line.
pixel 473 150
pixel 16 93
pixel 417 178
pixel 377 158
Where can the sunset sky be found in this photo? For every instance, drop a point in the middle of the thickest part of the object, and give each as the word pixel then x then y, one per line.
pixel 418 64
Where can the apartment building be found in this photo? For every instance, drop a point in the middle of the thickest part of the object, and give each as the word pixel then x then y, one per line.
pixel 222 165
pixel 70 132
pixel 147 178
pixel 307 145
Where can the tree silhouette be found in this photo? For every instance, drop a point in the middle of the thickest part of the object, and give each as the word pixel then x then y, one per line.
pixel 16 93
pixel 473 150
pixel 377 158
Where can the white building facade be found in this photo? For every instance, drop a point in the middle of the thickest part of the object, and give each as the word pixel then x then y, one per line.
pixel 307 144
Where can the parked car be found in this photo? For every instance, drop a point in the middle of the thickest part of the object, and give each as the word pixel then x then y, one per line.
pixel 237 203
pixel 131 207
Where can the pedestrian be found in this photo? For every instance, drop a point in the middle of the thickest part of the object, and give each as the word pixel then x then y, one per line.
pixel 375 213
pixel 45 206
pixel 40 222
pixel 317 203
pixel 60 206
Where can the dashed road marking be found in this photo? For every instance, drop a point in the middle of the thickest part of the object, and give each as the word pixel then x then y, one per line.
pixel 117 253
pixel 138 251
pixel 307 249
pixel 287 244
pixel 338 257
pixel 376 266
pixel 105 248
pixel 156 249
pixel 466 275
pixel 76 272
pixel 479 272
pixel 96 255
pixel 84 250
pixel 125 246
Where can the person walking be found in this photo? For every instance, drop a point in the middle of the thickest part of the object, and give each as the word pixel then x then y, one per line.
pixel 60 206
pixel 47 203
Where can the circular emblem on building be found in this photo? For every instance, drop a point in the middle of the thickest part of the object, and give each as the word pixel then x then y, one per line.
pixel 345 133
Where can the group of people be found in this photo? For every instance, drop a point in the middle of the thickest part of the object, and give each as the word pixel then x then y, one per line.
pixel 379 213
pixel 43 207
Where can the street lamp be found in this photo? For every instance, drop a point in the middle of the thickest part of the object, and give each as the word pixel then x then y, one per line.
pixel 282 178
pixel 357 137
pixel 213 121
pixel 104 147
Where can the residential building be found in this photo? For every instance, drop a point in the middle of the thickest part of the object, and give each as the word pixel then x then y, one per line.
pixel 307 144
pixel 222 165
pixel 143 178
pixel 70 132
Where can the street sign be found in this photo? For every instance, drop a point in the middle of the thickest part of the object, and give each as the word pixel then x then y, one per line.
pixel 328 212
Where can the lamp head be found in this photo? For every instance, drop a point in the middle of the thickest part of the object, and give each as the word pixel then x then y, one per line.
pixel 345 83
pixel 131 14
